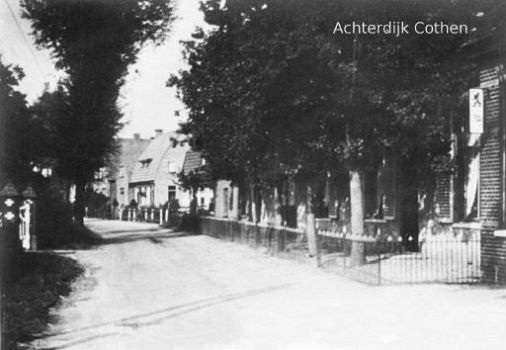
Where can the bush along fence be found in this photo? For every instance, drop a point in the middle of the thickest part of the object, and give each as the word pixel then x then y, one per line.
pixel 372 260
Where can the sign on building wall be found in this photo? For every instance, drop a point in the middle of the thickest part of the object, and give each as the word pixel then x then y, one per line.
pixel 476 111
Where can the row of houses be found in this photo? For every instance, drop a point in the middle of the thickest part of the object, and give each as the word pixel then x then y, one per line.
pixel 145 173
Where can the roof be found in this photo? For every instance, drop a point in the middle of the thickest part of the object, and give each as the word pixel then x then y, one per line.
pixel 192 161
pixel 156 158
pixel 129 151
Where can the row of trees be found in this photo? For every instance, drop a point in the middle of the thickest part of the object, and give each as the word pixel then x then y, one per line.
pixel 72 128
pixel 273 92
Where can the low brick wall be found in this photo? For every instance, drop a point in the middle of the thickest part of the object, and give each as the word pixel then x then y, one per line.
pixel 275 238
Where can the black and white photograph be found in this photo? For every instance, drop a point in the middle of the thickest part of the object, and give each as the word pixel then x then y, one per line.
pixel 252 174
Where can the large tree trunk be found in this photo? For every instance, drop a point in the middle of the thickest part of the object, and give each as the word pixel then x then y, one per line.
pixel 311 223
pixel 79 205
pixel 251 201
pixel 408 211
pixel 257 197
pixel 193 203
pixel 357 217
pixel 278 208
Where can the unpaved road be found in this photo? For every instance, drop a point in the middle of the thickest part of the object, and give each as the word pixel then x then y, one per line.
pixel 154 289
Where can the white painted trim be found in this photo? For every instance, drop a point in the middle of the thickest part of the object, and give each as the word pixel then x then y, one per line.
pixel 500 233
pixel 490 84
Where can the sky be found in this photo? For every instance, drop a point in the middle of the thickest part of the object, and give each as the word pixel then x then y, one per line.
pixel 147 104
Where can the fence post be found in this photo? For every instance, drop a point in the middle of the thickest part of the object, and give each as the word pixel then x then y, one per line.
pixel 161 217
pixel 317 248
pixel 379 261
pixel 343 248
pixel 310 233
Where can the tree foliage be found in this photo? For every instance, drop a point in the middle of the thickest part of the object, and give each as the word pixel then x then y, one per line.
pixel 271 90
pixel 22 139
pixel 256 99
pixel 93 42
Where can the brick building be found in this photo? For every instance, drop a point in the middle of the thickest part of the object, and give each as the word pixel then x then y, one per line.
pixel 492 189
pixel 489 48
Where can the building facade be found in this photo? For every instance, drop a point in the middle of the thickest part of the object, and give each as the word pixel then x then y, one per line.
pixel 122 168
pixel 154 180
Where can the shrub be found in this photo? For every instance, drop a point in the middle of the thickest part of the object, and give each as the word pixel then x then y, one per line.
pixel 190 223
pixel 54 221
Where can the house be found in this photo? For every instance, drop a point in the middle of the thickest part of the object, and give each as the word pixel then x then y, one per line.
pixel 195 164
pixel 122 168
pixel 490 127
pixel 154 180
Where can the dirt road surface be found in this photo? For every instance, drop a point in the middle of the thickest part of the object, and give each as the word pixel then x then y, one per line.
pixel 148 288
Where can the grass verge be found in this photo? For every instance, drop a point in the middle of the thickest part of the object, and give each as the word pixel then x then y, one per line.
pixel 43 279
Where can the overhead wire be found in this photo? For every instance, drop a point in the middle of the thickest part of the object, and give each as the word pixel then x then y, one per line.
pixel 25 40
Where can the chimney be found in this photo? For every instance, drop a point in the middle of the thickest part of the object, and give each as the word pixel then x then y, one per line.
pixel 158 132
pixel 137 136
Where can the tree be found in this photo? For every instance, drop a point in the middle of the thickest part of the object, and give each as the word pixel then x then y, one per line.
pixel 418 82
pixel 191 181
pixel 94 42
pixel 256 99
pixel 22 140
pixel 272 91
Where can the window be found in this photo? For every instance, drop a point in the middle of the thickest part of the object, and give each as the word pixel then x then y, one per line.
pixel 122 171
pixel 172 193
pixel 172 167
pixel 145 162
pixel 122 190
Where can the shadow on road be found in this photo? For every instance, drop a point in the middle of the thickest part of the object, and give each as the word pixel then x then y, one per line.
pixel 94 237
pixel 139 236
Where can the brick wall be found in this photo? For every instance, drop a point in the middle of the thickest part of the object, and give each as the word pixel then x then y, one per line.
pixel 493 249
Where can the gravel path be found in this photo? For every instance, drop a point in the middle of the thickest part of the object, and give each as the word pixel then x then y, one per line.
pixel 154 289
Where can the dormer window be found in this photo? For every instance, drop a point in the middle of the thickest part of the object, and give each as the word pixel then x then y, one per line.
pixel 145 162
pixel 122 171
pixel 172 167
